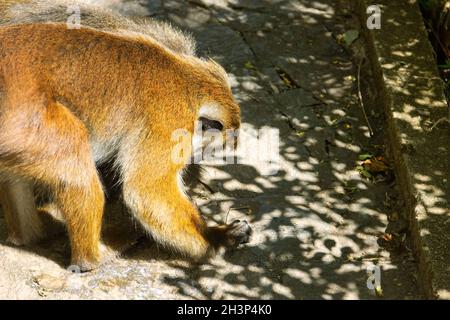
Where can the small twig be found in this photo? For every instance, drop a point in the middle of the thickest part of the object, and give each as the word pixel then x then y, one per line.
pixel 439 122
pixel 206 186
pixel 226 217
pixel 235 208
pixel 361 98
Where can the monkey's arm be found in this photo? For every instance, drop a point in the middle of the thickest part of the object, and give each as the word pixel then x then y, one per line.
pixel 152 191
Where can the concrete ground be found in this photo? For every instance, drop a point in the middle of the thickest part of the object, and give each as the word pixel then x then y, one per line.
pixel 317 221
pixel 415 99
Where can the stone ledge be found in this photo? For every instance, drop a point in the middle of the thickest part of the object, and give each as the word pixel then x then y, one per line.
pixel 413 96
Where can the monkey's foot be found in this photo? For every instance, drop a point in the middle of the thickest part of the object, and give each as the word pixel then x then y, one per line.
pixel 107 255
pixel 15 241
pixel 33 236
pixel 238 232
pixel 43 228
pixel 82 266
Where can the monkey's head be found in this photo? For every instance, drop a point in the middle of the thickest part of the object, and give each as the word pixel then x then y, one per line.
pixel 218 108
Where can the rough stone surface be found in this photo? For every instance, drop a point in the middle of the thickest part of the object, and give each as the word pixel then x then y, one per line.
pixel 316 220
pixel 413 95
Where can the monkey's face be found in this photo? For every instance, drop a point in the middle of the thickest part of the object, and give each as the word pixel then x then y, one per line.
pixel 219 115
pixel 216 133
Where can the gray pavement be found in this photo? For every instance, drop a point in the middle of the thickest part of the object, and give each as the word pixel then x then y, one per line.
pixel 316 221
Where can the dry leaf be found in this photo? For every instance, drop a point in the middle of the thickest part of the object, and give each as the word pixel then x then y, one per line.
pixel 387 237
pixel 393 216
pixel 365 173
pixel 378 291
pixel 376 165
pixel 350 36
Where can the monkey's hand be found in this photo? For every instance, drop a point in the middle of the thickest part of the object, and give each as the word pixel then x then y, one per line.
pixel 238 232
pixel 230 235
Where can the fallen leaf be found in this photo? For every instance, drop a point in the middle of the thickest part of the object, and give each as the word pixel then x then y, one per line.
pixel 393 216
pixel 376 165
pixel 362 171
pixel 350 36
pixel 249 65
pixel 378 291
pixel 387 237
pixel 350 190
pixel 350 78
pixel 286 80
pixel 365 156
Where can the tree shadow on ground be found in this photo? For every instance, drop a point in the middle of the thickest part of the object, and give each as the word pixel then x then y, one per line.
pixel 316 220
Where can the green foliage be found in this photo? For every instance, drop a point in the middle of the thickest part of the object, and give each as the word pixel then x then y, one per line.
pixel 426 4
pixel 430 5
pixel 436 11
pixel 437 18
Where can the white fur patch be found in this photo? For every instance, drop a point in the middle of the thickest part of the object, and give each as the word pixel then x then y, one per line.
pixel 211 111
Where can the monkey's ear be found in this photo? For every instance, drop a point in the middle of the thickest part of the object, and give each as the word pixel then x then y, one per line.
pixel 208 124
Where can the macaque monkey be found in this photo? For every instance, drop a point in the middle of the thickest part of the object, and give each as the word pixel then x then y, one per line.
pixel 73 98
pixel 41 11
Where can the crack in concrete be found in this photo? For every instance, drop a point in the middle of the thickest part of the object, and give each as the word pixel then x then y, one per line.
pixel 198 3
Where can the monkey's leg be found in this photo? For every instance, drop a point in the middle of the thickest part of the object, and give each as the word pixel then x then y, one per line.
pixel 82 207
pixel 54 150
pixel 22 220
pixel 165 212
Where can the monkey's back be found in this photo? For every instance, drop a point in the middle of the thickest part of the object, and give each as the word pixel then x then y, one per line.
pixel 105 79
pixel 43 11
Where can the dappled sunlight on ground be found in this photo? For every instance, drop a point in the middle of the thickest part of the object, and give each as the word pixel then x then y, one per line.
pixel 317 220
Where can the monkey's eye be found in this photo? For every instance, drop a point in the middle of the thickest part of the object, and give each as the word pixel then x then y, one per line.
pixel 208 124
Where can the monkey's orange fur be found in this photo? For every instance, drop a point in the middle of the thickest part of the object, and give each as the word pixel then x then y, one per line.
pixel 72 97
